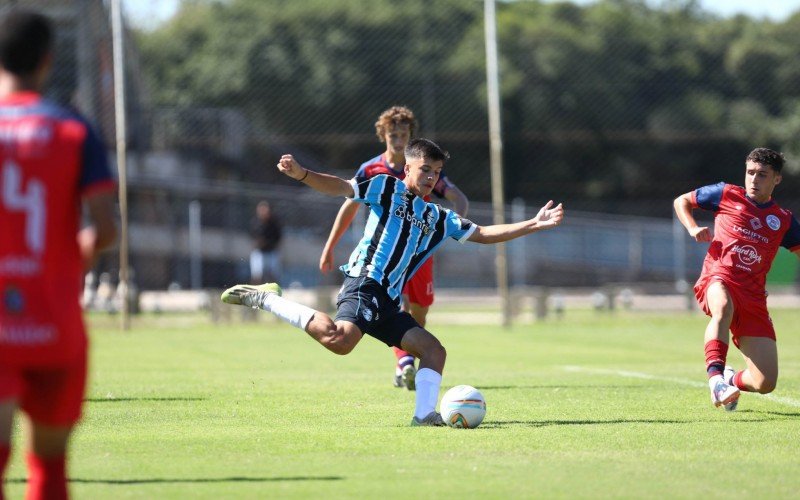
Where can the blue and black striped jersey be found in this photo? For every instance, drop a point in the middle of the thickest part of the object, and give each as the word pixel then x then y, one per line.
pixel 402 232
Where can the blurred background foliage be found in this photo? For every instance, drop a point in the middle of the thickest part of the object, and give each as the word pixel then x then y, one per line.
pixel 616 106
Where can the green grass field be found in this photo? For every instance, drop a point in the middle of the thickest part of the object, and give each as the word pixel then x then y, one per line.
pixel 594 405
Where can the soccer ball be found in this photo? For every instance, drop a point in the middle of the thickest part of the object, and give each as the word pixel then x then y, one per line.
pixel 463 407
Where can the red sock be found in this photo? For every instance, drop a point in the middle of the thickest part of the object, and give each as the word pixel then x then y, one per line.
pixel 737 381
pixel 47 478
pixel 716 354
pixel 5 453
pixel 400 354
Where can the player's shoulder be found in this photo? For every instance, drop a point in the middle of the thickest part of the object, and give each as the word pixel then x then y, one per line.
pixel 68 119
pixel 784 212
pixel 733 188
pixel 371 167
pixel 731 192
pixel 59 112
pixel 378 166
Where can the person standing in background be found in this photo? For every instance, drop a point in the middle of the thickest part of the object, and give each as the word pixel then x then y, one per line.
pixel 265 259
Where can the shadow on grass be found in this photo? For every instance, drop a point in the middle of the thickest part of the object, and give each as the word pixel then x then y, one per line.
pixel 125 400
pixel 787 414
pixel 546 423
pixel 234 479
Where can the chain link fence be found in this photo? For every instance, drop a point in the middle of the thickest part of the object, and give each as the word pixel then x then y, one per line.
pixel 613 108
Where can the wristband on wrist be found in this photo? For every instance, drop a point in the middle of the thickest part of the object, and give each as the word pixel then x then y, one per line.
pixel 304 177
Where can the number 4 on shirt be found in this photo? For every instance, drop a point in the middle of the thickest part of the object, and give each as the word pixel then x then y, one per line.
pixel 30 201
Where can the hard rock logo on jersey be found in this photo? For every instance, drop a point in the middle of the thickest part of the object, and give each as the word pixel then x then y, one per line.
pixel 773 222
pixel 747 254
pixel 402 212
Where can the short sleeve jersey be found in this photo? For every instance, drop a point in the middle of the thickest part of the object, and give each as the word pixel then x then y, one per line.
pixel 49 159
pixel 402 232
pixel 380 165
pixel 747 236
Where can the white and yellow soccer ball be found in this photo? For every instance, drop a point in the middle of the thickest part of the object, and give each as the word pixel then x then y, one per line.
pixel 463 407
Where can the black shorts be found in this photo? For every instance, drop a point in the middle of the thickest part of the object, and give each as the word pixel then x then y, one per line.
pixel 364 302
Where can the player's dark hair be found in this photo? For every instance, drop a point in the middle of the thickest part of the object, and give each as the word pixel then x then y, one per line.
pixel 25 40
pixel 425 148
pixel 766 156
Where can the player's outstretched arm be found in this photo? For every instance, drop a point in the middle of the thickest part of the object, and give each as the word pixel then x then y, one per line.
pixel 103 231
pixel 549 216
pixel 324 183
pixel 683 209
pixel 343 220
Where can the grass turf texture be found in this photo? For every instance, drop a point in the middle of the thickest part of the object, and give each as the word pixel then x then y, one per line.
pixel 181 408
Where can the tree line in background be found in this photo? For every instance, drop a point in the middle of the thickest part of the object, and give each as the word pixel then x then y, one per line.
pixel 614 106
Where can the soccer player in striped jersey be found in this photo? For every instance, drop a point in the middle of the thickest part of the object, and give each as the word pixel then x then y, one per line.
pixel 51 162
pixel 749 228
pixel 396 127
pixel 403 231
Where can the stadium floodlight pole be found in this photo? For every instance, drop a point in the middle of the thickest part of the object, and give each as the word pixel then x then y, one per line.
pixel 121 136
pixel 496 155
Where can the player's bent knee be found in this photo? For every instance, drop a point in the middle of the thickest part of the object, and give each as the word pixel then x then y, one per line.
pixel 721 310
pixel 340 348
pixel 766 386
pixel 341 341
pixel 435 350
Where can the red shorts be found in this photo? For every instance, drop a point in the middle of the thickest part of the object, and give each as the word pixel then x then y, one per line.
pixel 750 315
pixel 50 396
pixel 420 287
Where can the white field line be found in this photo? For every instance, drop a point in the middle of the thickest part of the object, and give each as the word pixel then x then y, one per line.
pixel 691 383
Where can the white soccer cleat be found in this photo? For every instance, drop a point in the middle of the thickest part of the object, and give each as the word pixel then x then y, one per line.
pixel 249 295
pixel 408 377
pixel 727 375
pixel 432 419
pixel 723 394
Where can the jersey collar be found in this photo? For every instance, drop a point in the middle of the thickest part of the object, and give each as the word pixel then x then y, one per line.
pixel 766 204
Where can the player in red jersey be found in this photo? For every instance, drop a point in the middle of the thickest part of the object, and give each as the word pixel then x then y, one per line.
pixel 395 127
pixel 749 228
pixel 50 161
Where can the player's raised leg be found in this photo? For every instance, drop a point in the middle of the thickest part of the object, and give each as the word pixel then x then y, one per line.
pixel 720 306
pixel 339 337
pixel 761 356
pixel 432 356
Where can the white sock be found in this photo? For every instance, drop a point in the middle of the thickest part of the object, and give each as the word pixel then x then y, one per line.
pixel 428 383
pixel 291 312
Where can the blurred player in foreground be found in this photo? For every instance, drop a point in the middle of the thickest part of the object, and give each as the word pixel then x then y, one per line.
pixel 50 161
pixel 395 127
pixel 749 228
pixel 402 232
